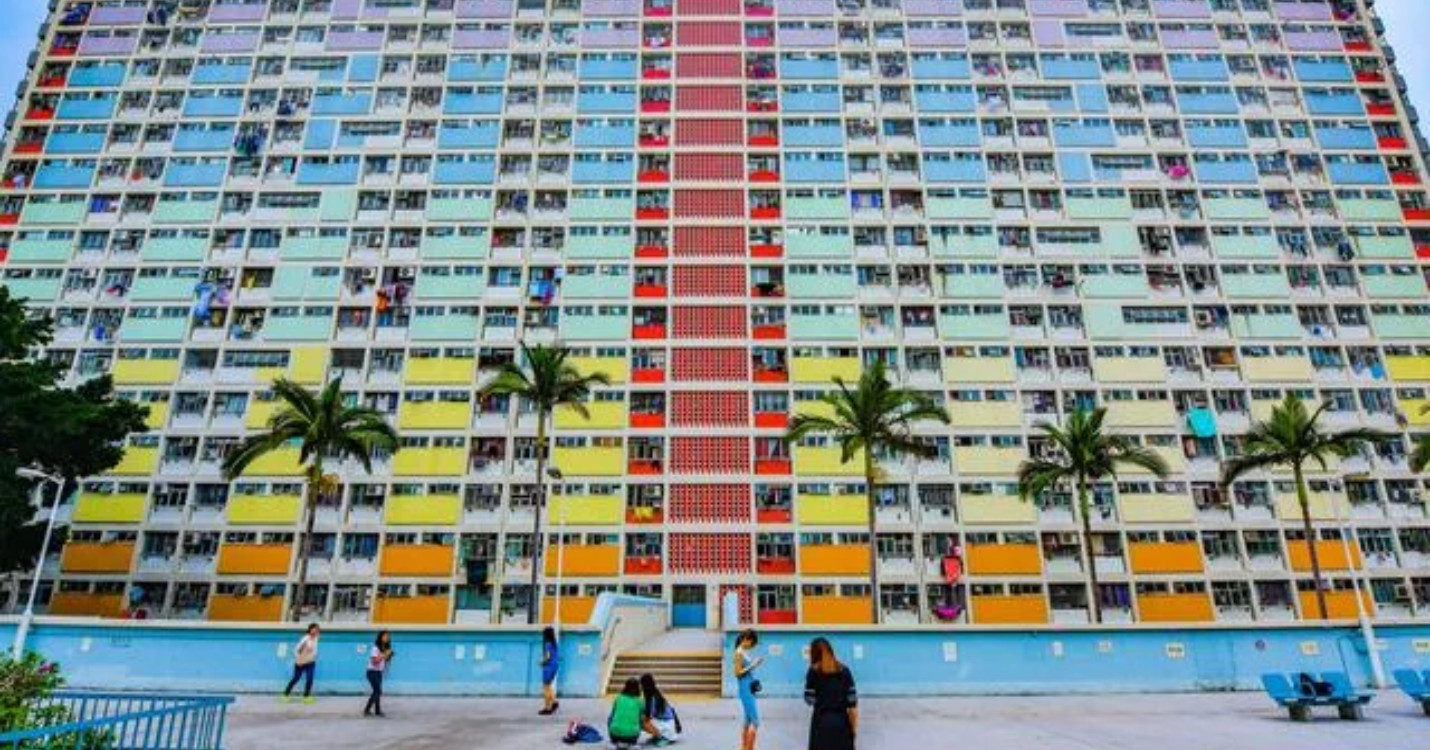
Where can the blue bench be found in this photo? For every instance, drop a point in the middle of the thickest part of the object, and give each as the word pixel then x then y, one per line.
pixel 1415 685
pixel 1285 690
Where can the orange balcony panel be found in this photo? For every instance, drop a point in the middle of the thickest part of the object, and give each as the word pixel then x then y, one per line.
pixel 1175 608
pixel 764 250
pixel 650 290
pixel 779 566
pixel 254 559
pixel 649 331
pixel 654 141
pixel 765 212
pixel 97 557
pixel 653 175
pixel 86 604
pixel 645 515
pixel 653 214
pixel 772 420
pixel 1003 609
pixel 764 175
pixel 583 560
pixel 1005 559
pixel 1380 110
pixel 768 332
pixel 574 609
pixel 1340 605
pixel 1331 553
pixel 434 560
pixel 245 608
pixel 837 610
pixel 643 466
pixel 771 376
pixel 651 251
pixel 777 617
pixel 411 610
pixel 660 106
pixel 1405 178
pixel 1391 143
pixel 1165 557
pixel 774 515
pixel 834 560
pixel 643 566
pixel 772 466
pixel 647 421
pixel 647 375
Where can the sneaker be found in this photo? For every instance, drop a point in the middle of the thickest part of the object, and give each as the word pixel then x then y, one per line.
pixel 544 712
pixel 310 700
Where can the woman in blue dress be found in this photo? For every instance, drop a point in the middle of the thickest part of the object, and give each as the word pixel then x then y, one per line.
pixel 744 666
pixel 550 666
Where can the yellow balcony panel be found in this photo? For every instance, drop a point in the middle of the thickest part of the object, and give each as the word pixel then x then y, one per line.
pixel 245 608
pixel 615 368
pixel 308 365
pixel 603 415
pixel 1129 370
pixel 1332 555
pixel 1340 605
pixel 832 510
pixel 980 370
pixel 824 369
pixel 439 371
pixel 423 510
pixel 137 461
pixel 417 560
pixel 1277 369
pixel 411 610
pixel 430 462
pixel 86 604
pixel 1165 557
pixel 996 509
pixel 254 559
pixel 977 459
pixel 434 415
pixel 586 510
pixel 271 510
pixel 1175 459
pixel 985 414
pixel 269 374
pixel 582 560
pixel 1261 409
pixel 1155 508
pixel 1004 559
pixel 814 460
pixel 814 408
pixel 1175 608
pixel 119 508
pixel 1141 414
pixel 574 609
pixel 1415 412
pixel 590 461
pixel 1323 506
pixel 1003 609
pixel 97 557
pixel 158 414
pixel 1408 368
pixel 259 411
pixel 145 371
pixel 834 560
pixel 836 610
pixel 280 463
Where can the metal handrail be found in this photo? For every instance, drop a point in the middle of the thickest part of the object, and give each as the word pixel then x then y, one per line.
pixel 129 720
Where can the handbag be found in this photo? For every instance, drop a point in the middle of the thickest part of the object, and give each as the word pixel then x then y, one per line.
pixel 756 687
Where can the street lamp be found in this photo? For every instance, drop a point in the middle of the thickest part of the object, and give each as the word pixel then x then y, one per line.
pixel 29 614
pixel 555 475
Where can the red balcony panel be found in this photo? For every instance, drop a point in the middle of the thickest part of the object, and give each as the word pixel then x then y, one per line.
pixel 647 421
pixel 1405 178
pixel 648 331
pixel 765 212
pixel 772 466
pixel 663 12
pixel 39 113
pixel 1422 252
pixel 762 106
pixel 644 467
pixel 766 251
pixel 653 175
pixel 654 141
pixel 771 376
pixel 1416 214
pixel 656 74
pixel 53 82
pixel 777 617
pixel 65 51
pixel 772 139
pixel 1357 46
pixel 1370 76
pixel 643 566
pixel 651 107
pixel 775 566
pixel 8 220
pixel 4 251
pixel 650 290
pixel 651 251
pixel 33 147
pixel 652 214
pixel 767 291
pixel 1392 143
pixel 772 420
pixel 774 515
pixel 757 11
pixel 760 41
pixel 647 375
pixel 645 516
pixel 1380 110
pixel 768 332
pixel 764 175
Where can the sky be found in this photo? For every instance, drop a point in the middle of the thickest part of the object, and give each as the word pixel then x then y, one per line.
pixel 1407 24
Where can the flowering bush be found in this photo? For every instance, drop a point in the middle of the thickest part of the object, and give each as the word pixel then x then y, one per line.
pixel 25 686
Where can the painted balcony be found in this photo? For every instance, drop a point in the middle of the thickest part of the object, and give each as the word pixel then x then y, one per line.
pixel 444 327
pixel 295 247
pixel 115 508
pixel 254 559
pixel 1004 559
pixel 1142 414
pixel 459 209
pixel 1391 286
pixel 575 609
pixel 832 510
pixel 963 286
pixel 836 610
pixel 824 461
pixel 1157 508
pixel 582 560
pixel 411 610
pixel 1368 209
pixel 1266 326
pixel 85 604
pixel 54 212
pixel 1380 247
pixel 1332 555
pixel 1129 369
pixel 817 207
pixel 264 510
pixel 438 371
pixel 595 327
pixel 822 284
pixel 1323 506
pixel 601 415
pixel 818 245
pixel 596 286
pixel 1175 608
pixel 1277 369
pixel 434 415
pixel 975 414
pixel 600 209
pixel 455 286
pixel 97 557
pixel 1216 136
pixel 615 368
pixel 980 370
pixel 1165 557
pixel 1099 208
pixel 997 509
pixel 977 327
pixel 590 461
pixel 824 369
pixel 430 462
pixel 303 283
pixel 33 250
pixel 416 560
pixel 245 608
pixel 1340 605
pixel 585 510
pixel 422 510
pixel 38 290
pixel 166 329
pixel 987 459
pixel 1401 326
pixel 834 560
pixel 145 371
pixel 1003 609
pixel 831 326
pixel 137 461
pixel 959 208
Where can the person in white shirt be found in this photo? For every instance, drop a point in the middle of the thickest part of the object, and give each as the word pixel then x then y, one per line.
pixel 305 663
pixel 378 658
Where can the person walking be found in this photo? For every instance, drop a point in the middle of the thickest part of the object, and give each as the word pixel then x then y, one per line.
pixel 305 663
pixel 378 659
pixel 829 690
pixel 744 665
pixel 550 667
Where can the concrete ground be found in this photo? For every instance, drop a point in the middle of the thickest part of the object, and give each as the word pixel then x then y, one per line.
pixel 1241 721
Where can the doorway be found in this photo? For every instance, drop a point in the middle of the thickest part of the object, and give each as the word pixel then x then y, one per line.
pixel 688 610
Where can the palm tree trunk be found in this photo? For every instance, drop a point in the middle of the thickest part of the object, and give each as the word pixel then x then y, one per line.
pixel 1305 502
pixel 305 545
pixel 873 542
pixel 1084 508
pixel 537 545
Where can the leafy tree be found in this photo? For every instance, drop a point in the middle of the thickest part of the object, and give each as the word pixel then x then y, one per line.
pixel 546 381
pixel 68 432
pixel 1420 457
pixel 1085 454
pixel 872 418
pixel 1293 438
pixel 323 426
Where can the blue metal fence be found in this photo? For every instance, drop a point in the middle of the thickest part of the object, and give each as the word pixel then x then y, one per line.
pixel 105 721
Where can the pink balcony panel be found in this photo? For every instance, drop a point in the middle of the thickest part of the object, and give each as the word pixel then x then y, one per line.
pixel 102 46
pixel 239 42
pixel 485 8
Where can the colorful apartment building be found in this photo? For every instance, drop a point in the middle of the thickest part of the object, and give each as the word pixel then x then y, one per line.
pixel 1180 209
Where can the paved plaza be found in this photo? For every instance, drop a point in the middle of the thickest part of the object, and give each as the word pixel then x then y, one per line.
pixel 1242 721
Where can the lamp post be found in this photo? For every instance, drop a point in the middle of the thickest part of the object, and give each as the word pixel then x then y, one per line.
pixel 555 475
pixel 26 618
pixel 1367 629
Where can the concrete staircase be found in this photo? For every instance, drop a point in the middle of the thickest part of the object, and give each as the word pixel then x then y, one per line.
pixel 686 663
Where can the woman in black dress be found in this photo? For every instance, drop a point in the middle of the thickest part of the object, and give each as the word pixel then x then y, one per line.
pixel 829 689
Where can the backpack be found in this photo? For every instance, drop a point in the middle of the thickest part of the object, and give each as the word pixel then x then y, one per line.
pixel 582 733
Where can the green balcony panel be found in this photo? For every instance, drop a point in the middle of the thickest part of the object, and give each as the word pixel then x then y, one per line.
pixel 1400 325
pixel 454 247
pixel 185 212
pixel 1246 247
pixel 613 209
pixel 1366 209
pixel 1114 285
pixel 604 247
pixel 301 215
pixel 162 289
pixel 817 245
pixel 174 248
pixel 1261 285
pixel 448 327
pixel 595 327
pixel 973 326
pixel 313 248
pixel 300 283
pixel 154 329
pixel 1236 208
pixel 838 326
pixel 596 286
pixel 836 207
pixel 35 290
pixel 1104 321
pixel 337 205
pixel 70 212
pixel 298 328
pixel 1266 326
pixel 820 285
pixel 459 209
pixel 1099 208
pixel 1390 285
pixel 1120 241
pixel 963 246
pixel 973 286
pixel 451 286
pixel 1385 248
pixel 41 251
pixel 959 208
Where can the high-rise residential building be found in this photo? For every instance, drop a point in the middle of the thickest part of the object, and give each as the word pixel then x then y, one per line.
pixel 1182 210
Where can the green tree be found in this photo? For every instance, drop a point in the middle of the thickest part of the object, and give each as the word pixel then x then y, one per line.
pixel 869 420
pixel 1293 438
pixel 68 432
pixel 1084 455
pixel 1420 456
pixel 324 426
pixel 547 380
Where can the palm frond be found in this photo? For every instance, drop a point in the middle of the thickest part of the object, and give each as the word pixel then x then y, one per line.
pixel 1420 457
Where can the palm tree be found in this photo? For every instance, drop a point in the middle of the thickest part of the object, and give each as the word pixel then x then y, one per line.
pixel 1420 457
pixel 1085 454
pixel 1292 437
pixel 873 417
pixel 547 381
pixel 323 426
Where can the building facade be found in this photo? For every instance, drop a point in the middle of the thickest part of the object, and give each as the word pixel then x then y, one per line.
pixel 1180 209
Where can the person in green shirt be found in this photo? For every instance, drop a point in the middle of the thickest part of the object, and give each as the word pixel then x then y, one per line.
pixel 624 724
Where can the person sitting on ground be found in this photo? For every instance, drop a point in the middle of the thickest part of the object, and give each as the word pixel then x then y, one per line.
pixel 658 718
pixel 624 723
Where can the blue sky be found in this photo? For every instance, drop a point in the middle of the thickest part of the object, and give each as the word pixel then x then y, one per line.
pixel 1407 24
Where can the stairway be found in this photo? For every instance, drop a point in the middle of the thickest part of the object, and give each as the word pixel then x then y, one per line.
pixel 695 673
